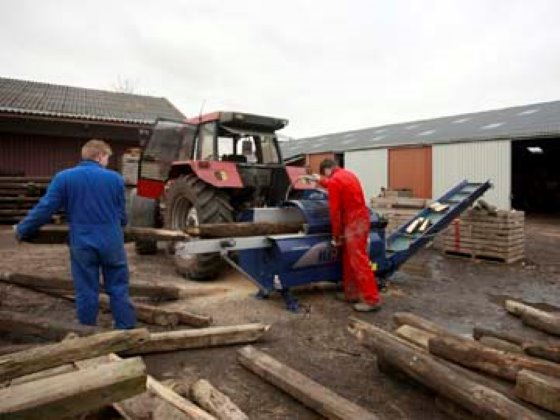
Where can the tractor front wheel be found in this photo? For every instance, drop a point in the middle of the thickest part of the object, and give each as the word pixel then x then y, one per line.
pixel 191 202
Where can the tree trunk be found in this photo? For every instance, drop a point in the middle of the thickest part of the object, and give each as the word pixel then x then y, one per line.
pixel 539 389
pixel 543 350
pixel 200 338
pixel 51 355
pixel 545 321
pixel 414 335
pixel 226 230
pixel 50 329
pixel 428 370
pixel 302 388
pixel 495 362
pixel 479 332
pixel 406 318
pixel 216 403
pixel 74 393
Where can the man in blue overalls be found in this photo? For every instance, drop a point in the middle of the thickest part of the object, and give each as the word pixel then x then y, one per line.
pixel 93 198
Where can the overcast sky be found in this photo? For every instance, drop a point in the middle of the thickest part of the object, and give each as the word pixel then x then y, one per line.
pixel 327 66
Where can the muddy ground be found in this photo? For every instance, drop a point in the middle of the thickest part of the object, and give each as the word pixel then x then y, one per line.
pixel 456 292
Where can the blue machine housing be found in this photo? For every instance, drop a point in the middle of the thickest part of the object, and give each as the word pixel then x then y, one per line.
pixel 307 257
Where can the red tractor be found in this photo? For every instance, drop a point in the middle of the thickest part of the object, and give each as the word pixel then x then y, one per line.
pixel 209 169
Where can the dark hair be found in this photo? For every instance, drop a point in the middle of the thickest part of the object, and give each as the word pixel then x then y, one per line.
pixel 326 164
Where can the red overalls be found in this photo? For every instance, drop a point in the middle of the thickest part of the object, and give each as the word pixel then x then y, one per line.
pixel 350 226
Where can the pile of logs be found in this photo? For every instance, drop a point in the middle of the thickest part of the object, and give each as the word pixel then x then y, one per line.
pixel 18 195
pixel 81 374
pixel 496 375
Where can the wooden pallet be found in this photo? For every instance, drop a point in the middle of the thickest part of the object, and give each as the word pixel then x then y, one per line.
pixel 482 257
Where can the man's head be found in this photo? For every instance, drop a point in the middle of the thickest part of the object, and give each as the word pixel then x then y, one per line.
pixel 98 151
pixel 327 166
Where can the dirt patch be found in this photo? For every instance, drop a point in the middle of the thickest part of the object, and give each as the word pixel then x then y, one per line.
pixel 455 292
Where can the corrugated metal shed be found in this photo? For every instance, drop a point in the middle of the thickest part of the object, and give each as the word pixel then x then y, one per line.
pixel 477 162
pixel 542 119
pixel 371 168
pixel 42 99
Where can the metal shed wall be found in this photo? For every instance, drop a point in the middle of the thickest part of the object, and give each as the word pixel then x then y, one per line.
pixel 371 167
pixel 475 161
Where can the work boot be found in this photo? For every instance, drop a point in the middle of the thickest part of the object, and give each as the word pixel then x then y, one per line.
pixel 342 297
pixel 366 307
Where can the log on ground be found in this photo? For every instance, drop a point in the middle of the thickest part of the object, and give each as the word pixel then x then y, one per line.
pixel 200 338
pixel 542 320
pixel 65 286
pixel 215 402
pixel 539 389
pixel 499 363
pixel 50 329
pixel 302 388
pixel 74 393
pixel 51 355
pixel 427 369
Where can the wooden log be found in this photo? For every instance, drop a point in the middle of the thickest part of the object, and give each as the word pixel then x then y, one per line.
pixel 13 348
pixel 48 328
pixel 57 370
pixel 302 388
pixel 414 335
pixel 545 321
pixel 59 234
pixel 215 402
pixel 200 338
pixel 74 393
pixel 539 389
pixel 474 355
pixel 51 355
pixel 479 332
pixel 428 370
pixel 406 318
pixel 537 348
pixel 226 230
pixel 499 344
pixel 60 285
pixel 543 350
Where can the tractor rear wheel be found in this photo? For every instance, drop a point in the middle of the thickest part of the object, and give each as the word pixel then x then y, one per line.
pixel 191 202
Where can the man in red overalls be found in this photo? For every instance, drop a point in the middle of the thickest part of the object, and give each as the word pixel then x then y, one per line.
pixel 350 223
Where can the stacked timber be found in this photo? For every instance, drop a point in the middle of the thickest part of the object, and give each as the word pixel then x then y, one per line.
pixel 497 236
pixel 479 378
pixel 397 202
pixel 18 195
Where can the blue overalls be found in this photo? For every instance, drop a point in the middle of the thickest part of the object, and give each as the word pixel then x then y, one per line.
pixel 94 200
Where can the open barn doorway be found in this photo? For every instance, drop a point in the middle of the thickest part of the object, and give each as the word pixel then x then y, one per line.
pixel 536 175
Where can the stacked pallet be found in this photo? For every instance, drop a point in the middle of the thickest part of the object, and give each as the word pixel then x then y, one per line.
pixel 497 375
pixel 497 236
pixel 18 195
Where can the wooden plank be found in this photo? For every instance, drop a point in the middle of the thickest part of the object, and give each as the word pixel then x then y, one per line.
pixel 539 389
pixel 74 393
pixel 545 321
pixel 215 402
pixel 200 338
pixel 428 370
pixel 302 388
pixel 48 328
pixel 52 355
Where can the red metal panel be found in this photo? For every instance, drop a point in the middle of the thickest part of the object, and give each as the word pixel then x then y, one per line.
pixel 294 173
pixel 218 174
pixel 411 168
pixel 150 188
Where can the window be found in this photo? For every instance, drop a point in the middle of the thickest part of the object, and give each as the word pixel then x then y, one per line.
pixel 205 147
pixel 268 149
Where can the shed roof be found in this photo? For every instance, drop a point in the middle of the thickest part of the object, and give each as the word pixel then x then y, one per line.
pixel 541 119
pixel 49 100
